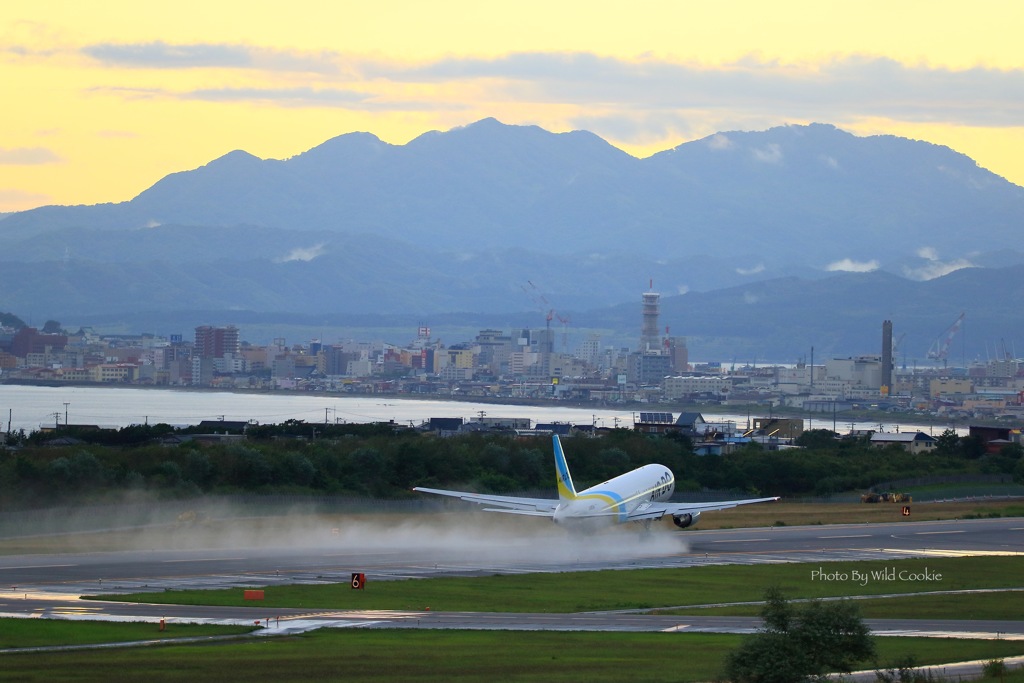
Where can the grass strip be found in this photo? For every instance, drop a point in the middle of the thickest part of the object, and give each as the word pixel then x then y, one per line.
pixel 634 589
pixel 794 513
pixel 998 606
pixel 47 632
pixel 423 656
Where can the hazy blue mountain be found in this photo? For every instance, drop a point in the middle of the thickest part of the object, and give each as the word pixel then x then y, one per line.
pixel 459 221
pixel 491 185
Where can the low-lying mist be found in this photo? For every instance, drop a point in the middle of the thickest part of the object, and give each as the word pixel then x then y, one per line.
pixel 438 537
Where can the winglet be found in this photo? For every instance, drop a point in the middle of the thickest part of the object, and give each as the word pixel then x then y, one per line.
pixel 566 491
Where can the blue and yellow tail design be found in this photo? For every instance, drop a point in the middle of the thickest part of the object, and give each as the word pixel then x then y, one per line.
pixel 566 491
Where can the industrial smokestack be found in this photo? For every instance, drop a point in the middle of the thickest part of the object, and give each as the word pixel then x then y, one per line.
pixel 887 357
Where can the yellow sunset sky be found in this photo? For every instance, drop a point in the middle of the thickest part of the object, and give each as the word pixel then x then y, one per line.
pixel 102 99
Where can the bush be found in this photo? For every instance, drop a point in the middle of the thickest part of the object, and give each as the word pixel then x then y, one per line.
pixel 995 668
pixel 794 645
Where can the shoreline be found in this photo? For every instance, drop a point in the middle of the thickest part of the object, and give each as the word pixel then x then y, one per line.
pixel 621 411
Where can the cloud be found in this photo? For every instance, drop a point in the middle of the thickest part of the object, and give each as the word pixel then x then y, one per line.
pixel 836 89
pixel 935 269
pixel 640 100
pixel 750 298
pixel 759 268
pixel 302 254
pixel 26 39
pixel 161 55
pixel 12 199
pixel 829 161
pixel 297 97
pixel 682 289
pixel 933 266
pixel 769 154
pixel 720 141
pixel 850 266
pixel 645 127
pixel 28 156
pixel 302 96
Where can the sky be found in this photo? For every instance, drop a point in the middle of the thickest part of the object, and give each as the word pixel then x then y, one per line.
pixel 104 98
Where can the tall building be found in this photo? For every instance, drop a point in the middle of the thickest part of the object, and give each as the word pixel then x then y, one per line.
pixel 495 349
pixel 650 338
pixel 590 350
pixel 679 354
pixel 30 340
pixel 216 342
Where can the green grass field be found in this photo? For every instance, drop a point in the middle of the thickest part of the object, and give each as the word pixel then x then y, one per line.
pixel 43 632
pixel 634 589
pixel 410 655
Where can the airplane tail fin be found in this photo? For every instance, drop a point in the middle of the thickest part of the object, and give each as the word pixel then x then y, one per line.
pixel 566 491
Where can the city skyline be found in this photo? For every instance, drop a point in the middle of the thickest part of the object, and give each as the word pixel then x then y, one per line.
pixel 109 98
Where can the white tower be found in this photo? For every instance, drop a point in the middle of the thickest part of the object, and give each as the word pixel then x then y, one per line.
pixel 650 339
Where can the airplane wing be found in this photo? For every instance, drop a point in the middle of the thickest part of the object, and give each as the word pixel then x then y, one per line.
pixel 659 510
pixel 539 507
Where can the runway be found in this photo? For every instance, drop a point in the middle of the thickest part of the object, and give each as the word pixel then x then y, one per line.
pixel 330 558
pixel 49 585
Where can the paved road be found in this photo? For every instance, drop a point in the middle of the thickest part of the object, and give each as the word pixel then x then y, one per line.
pixel 280 620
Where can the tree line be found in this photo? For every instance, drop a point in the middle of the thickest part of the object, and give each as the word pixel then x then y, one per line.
pixel 386 461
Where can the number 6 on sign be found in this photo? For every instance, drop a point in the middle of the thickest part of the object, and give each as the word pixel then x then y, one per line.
pixel 359 581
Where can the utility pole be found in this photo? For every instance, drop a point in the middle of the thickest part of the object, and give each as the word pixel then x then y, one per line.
pixel 66 404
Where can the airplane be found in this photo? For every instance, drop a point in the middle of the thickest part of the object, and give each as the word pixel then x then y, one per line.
pixel 636 496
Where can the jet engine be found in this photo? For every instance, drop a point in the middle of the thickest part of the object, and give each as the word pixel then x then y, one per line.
pixel 683 521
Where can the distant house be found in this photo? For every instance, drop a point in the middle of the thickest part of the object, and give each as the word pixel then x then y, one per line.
pixel 560 428
pixel 72 427
pixel 912 442
pixel 779 427
pixel 654 423
pixel 995 438
pixel 691 422
pixel 444 425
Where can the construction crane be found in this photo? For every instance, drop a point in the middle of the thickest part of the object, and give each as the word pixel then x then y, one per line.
pixel 940 347
pixel 897 345
pixel 542 303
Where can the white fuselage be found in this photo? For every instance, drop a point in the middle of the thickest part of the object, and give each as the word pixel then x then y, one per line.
pixel 612 501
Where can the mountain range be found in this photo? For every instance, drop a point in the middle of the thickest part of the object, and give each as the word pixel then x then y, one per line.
pixel 490 224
